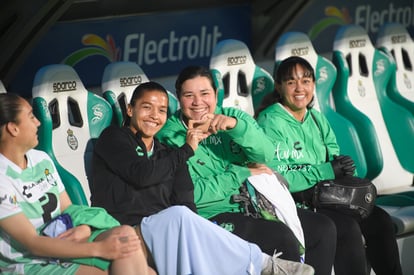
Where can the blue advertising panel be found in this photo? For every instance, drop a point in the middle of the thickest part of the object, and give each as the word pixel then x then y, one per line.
pixel 328 16
pixel 161 43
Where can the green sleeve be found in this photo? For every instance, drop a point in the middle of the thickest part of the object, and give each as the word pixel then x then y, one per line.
pixel 250 136
pixel 216 172
pixel 218 187
pixel 173 133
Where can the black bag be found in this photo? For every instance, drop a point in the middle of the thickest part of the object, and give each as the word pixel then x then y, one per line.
pixel 350 195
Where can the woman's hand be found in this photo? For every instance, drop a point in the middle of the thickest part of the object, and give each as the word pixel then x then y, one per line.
pixel 202 124
pixel 343 166
pixel 194 136
pixel 79 233
pixel 118 246
pixel 197 131
pixel 220 123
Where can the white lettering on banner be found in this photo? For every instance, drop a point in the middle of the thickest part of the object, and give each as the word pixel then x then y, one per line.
pixel 64 86
pixel 173 48
pixel 372 19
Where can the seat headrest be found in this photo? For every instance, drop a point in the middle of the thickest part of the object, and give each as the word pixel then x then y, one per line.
pixel 353 42
pixel 122 77
pixel 57 80
pixel 394 39
pixel 297 44
pixel 71 118
pixel 231 54
pixel 391 35
pixel 241 83
pixel 352 38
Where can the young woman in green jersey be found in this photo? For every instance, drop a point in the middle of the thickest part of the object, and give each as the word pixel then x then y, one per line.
pixel 235 149
pixel 32 194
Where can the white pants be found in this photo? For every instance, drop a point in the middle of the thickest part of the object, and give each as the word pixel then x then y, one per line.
pixel 184 243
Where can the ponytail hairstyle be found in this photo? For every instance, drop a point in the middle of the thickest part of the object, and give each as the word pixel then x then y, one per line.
pixel 284 72
pixel 10 107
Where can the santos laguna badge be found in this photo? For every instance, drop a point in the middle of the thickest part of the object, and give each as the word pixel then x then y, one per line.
pixel 72 141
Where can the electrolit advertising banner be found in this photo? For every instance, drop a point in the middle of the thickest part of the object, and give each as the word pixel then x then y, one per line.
pixel 161 43
pixel 328 16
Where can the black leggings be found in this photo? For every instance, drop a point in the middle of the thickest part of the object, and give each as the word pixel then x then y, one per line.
pixel 319 232
pixel 380 242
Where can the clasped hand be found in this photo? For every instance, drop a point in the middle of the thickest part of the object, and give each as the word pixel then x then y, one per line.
pixel 207 125
pixel 343 166
pixel 213 123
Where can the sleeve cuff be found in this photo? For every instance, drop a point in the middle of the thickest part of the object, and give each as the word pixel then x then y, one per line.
pixel 187 149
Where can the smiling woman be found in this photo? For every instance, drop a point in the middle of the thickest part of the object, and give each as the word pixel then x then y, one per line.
pixel 147 113
pixel 307 153
pixel 144 183
pixel 33 197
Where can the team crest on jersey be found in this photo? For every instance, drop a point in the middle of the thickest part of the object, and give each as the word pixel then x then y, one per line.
pixel 139 151
pixel 72 140
pixel 235 148
pixel 49 178
pixel 7 197
pixel 13 199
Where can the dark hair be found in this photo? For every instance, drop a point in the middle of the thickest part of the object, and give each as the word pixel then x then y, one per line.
pixel 10 107
pixel 140 91
pixel 284 72
pixel 191 72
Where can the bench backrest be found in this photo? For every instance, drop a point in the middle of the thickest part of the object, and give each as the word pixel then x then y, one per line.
pixel 119 81
pixel 241 83
pixel 71 119
pixel 384 127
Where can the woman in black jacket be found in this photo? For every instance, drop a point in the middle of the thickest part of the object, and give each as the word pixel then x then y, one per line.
pixel 145 184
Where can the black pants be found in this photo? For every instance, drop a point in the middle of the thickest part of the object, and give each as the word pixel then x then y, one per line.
pixel 319 232
pixel 380 247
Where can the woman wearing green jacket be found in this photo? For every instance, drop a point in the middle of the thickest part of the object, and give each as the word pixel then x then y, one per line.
pixel 306 152
pixel 235 149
